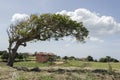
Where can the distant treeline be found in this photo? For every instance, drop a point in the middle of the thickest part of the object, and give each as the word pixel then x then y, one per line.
pixel 23 56
pixel 90 58
pixel 19 56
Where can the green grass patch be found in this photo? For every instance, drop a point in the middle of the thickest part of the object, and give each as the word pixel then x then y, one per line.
pixel 70 63
pixel 31 64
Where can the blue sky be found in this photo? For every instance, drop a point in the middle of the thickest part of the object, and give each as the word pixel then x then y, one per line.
pixel 101 17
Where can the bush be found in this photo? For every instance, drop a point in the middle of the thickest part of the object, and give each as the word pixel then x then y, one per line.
pixel 103 60
pixel 22 56
pixel 1 52
pixel 108 59
pixel 19 56
pixel 4 56
pixel 25 56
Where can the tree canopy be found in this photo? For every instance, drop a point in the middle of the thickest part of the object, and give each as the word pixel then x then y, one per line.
pixel 43 27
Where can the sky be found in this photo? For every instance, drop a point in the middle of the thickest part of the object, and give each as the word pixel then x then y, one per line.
pixel 100 17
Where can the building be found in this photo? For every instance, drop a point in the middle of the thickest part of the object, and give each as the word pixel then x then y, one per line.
pixel 44 56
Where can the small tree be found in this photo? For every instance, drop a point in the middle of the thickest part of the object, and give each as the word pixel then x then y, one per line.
pixel 89 58
pixel 65 58
pixel 72 58
pixel 42 27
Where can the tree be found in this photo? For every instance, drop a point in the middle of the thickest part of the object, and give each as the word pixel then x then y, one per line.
pixel 72 58
pixel 108 59
pixel 103 60
pixel 90 58
pixel 42 27
pixel 65 58
pixel 4 56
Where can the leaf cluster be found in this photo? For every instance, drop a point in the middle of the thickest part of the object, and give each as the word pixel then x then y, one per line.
pixel 45 27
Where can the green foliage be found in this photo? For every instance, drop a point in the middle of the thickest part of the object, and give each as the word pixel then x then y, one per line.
pixel 103 60
pixel 2 52
pixel 69 58
pixel 72 58
pixel 52 59
pixel 19 56
pixel 108 59
pixel 22 56
pixel 89 58
pixel 65 57
pixel 4 56
pixel 43 27
pixel 25 56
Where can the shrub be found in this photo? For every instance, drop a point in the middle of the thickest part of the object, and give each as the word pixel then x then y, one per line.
pixel 22 56
pixel 103 60
pixel 4 56
pixel 19 56
pixel 108 59
pixel 2 52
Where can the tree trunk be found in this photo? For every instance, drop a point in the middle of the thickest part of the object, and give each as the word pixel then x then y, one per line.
pixel 11 61
pixel 12 54
pixel 11 58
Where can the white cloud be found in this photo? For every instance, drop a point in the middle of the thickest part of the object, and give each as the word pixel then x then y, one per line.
pixel 96 24
pixel 70 39
pixel 67 45
pixel 95 39
pixel 19 17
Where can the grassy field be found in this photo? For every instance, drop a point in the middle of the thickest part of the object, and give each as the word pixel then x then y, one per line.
pixel 69 70
pixel 71 63
pixel 31 62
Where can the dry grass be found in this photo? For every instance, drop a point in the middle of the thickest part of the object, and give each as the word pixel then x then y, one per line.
pixel 73 70
pixel 54 73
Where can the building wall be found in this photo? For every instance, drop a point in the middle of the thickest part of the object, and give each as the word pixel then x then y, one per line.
pixel 40 57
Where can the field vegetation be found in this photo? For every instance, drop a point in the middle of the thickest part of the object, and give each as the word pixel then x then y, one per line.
pixel 70 68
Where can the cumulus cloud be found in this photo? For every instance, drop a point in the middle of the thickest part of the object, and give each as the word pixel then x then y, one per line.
pixel 96 24
pixel 19 17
